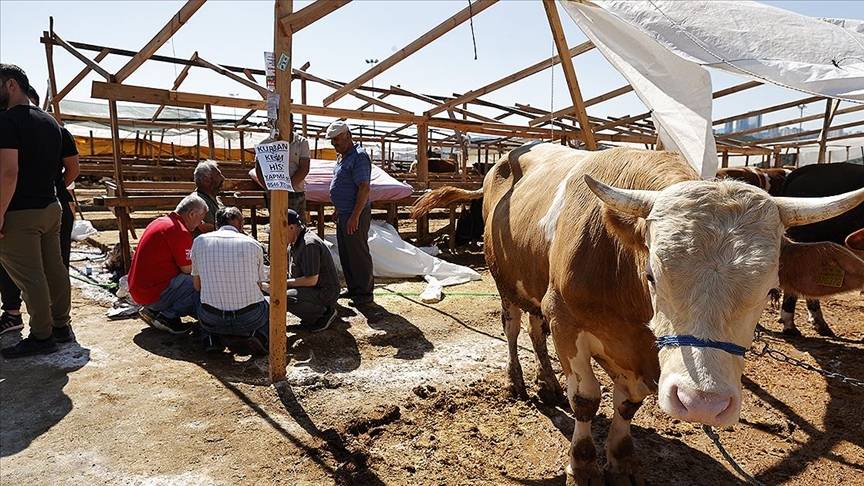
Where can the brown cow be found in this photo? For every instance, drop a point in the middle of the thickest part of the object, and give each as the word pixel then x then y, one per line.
pixel 665 255
pixel 771 180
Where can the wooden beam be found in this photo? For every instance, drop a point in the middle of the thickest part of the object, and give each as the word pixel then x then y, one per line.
pixel 225 72
pixel 211 139
pixel 159 39
pixel 311 13
pixel 441 29
pixel 282 44
pixel 81 75
pixel 156 96
pixel 781 106
pixel 177 82
pixel 811 132
pixel 46 39
pixel 428 99
pixel 338 85
pixel 507 80
pixel 735 89
pixel 569 73
pixel 122 218
pixel 422 156
pixel 81 57
pixel 831 106
pixel 717 94
pixel 593 101
pixel 52 81
pixel 851 109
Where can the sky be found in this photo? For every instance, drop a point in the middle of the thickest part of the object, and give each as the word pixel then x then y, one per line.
pixel 510 35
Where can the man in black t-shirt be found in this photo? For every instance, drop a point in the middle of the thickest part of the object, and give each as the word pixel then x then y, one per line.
pixel 30 158
pixel 10 294
pixel 313 285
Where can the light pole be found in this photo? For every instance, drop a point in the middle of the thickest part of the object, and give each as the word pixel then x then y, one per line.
pixel 372 62
pixel 800 115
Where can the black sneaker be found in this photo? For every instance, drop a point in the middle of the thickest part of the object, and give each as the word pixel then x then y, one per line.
pixel 324 321
pixel 9 323
pixel 63 334
pixel 345 294
pixel 213 344
pixel 258 346
pixel 158 321
pixel 30 347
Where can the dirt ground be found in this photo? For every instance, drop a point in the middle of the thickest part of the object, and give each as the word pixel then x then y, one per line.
pixel 406 394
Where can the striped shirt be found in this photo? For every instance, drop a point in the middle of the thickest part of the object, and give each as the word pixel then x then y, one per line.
pixel 230 264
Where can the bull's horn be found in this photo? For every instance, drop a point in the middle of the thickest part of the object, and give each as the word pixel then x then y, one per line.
pixel 797 211
pixel 628 201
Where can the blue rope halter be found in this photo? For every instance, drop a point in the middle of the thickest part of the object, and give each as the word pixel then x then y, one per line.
pixel 693 341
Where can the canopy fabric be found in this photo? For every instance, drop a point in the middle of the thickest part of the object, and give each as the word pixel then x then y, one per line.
pixel 662 46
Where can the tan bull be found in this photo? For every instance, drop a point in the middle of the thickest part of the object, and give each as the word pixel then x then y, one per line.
pixel 664 255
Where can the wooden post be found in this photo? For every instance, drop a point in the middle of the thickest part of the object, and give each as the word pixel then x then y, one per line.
pixel 210 138
pixel 303 100
pixel 830 109
pixel 92 144
pixel 724 163
pixel 279 203
pixel 137 143
pixel 52 81
pixel 242 149
pixel 122 217
pixel 569 73
pixel 198 144
pixel 422 157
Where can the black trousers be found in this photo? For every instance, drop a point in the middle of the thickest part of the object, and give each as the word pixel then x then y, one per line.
pixel 10 294
pixel 310 303
pixel 355 257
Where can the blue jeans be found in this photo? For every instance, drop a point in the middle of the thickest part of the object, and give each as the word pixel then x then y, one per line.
pixel 229 324
pixel 178 299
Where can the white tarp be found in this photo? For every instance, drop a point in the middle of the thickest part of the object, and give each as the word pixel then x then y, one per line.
pixel 650 42
pixel 392 257
pixel 677 92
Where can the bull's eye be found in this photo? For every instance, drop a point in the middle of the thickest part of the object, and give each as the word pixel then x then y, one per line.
pixel 650 278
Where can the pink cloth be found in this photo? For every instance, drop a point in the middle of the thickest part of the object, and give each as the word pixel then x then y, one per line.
pixel 382 187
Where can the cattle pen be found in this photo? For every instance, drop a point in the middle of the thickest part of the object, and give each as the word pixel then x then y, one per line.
pixel 410 392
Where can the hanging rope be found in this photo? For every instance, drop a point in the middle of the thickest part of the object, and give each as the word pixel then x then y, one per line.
pixel 471 21
pixel 552 94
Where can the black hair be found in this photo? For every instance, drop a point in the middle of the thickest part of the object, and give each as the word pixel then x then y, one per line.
pixel 33 95
pixel 11 71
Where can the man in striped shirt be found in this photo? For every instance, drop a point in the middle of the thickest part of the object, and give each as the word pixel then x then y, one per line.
pixel 228 268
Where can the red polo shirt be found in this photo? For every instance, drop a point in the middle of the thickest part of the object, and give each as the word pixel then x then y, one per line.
pixel 162 250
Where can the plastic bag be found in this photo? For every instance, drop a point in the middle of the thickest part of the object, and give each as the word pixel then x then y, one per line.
pixel 82 229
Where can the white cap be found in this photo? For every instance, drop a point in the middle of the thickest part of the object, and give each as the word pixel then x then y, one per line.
pixel 337 128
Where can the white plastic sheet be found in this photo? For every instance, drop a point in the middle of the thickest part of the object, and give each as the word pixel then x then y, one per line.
pixel 677 92
pixel 392 257
pixel 661 46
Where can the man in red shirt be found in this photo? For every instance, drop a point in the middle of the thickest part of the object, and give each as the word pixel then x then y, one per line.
pixel 160 278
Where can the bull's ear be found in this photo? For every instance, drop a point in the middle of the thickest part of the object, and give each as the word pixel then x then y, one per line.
pixel 855 241
pixel 819 269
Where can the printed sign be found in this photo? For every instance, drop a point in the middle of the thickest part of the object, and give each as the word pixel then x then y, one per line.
pixel 273 160
pixel 283 62
pixel 272 106
pixel 270 70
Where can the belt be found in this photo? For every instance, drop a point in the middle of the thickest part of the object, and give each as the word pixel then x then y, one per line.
pixel 237 312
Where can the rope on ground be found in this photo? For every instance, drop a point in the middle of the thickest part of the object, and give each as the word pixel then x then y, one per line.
pixel 731 460
pixel 417 294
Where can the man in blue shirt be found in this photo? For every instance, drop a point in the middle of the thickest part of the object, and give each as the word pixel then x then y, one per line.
pixel 349 191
